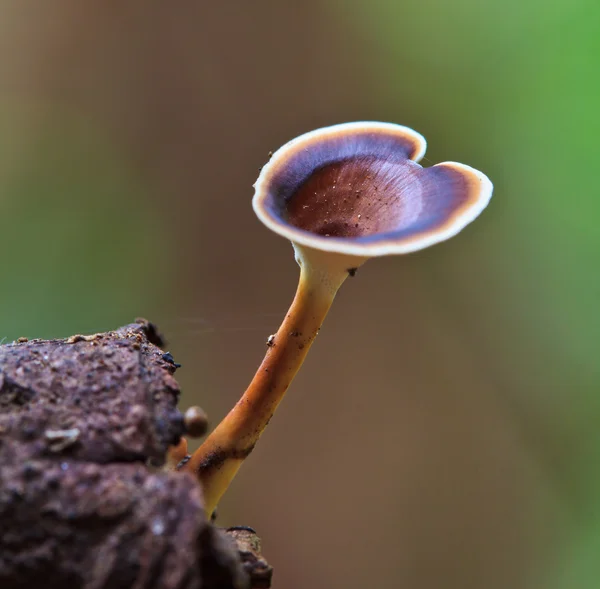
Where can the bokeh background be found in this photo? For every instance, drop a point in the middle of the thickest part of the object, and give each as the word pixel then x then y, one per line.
pixel 444 429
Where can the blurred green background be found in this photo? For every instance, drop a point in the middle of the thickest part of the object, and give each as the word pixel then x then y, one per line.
pixel 444 430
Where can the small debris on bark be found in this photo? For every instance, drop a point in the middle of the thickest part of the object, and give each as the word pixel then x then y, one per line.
pixel 248 544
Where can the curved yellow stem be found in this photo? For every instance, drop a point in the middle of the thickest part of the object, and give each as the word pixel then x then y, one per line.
pixel 220 456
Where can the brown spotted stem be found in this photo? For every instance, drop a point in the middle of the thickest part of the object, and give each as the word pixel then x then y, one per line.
pixel 218 459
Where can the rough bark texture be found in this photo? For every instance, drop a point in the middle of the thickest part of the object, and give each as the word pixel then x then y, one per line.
pixel 248 545
pixel 85 423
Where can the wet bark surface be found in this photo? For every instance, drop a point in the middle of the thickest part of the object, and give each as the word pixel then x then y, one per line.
pixel 85 423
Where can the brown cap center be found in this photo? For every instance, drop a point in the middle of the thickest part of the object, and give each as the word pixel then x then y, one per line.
pixel 358 197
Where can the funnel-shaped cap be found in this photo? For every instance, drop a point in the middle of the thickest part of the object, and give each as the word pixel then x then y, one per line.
pixel 356 189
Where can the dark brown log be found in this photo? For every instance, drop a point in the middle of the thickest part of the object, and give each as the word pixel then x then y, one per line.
pixel 85 423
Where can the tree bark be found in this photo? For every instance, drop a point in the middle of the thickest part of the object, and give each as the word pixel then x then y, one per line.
pixel 85 423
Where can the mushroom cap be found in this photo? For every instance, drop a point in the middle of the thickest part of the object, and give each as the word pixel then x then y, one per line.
pixel 357 189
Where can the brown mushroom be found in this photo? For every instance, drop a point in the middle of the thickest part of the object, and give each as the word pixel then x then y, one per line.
pixel 342 195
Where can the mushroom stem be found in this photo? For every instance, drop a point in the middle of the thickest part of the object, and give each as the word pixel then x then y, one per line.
pixel 218 459
pixel 175 454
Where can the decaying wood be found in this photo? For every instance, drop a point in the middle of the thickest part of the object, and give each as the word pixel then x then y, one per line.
pixel 85 423
pixel 248 545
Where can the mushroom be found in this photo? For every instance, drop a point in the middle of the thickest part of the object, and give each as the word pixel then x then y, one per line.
pixel 341 195
pixel 195 424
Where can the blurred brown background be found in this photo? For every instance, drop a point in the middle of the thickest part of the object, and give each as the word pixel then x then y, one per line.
pixel 442 432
